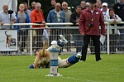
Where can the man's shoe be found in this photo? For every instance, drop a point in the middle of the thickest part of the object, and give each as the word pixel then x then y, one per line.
pixel 82 59
pixel 99 59
pixel 62 39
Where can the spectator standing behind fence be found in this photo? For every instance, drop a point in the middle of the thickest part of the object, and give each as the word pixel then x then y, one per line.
pixel 83 5
pixel 113 36
pixel 89 22
pixel 98 4
pixel 26 9
pixel 76 34
pixel 37 17
pixel 5 17
pixel 56 16
pixel 33 5
pixel 28 12
pixel 67 16
pixel 119 10
pixel 53 3
pixel 105 9
pixel 22 17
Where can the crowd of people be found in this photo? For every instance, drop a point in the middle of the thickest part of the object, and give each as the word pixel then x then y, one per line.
pixel 60 13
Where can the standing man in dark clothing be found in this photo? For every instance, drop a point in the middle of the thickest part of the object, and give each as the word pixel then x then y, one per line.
pixel 76 34
pixel 89 22
pixel 53 3
pixel 119 10
pixel 33 5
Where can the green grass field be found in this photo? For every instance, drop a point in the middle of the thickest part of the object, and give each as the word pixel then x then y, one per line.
pixel 110 69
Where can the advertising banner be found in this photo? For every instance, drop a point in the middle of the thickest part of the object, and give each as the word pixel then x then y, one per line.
pixel 8 40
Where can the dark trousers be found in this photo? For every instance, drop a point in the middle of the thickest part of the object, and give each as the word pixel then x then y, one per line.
pixel 39 39
pixel 22 34
pixel 96 43
pixel 113 42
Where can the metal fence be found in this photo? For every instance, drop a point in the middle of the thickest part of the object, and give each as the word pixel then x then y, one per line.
pixel 29 40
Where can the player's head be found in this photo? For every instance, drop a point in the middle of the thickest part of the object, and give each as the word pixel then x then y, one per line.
pixel 54 42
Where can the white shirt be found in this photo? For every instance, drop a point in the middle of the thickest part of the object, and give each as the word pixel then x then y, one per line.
pixel 5 18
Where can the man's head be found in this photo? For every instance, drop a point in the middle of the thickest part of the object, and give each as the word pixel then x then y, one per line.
pixel 21 7
pixel 33 5
pixel 92 4
pixel 111 12
pixel 83 4
pixel 64 5
pixel 54 42
pixel 25 5
pixel 53 3
pixel 122 1
pixel 38 6
pixel 78 9
pixel 5 8
pixel 98 4
pixel 104 6
pixel 58 7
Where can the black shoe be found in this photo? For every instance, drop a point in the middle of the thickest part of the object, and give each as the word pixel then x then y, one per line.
pixel 81 59
pixel 99 59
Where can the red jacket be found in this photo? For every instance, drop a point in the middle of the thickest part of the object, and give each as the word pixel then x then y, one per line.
pixel 96 18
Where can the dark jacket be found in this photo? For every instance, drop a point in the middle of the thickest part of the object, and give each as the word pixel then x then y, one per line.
pixel 119 10
pixel 74 17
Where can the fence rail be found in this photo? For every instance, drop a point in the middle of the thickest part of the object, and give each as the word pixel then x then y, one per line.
pixel 69 31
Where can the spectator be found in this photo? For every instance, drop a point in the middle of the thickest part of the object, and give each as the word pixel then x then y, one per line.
pixel 33 5
pixel 83 5
pixel 67 16
pixel 53 3
pixel 6 17
pixel 75 16
pixel 98 4
pixel 22 17
pixel 37 17
pixel 89 22
pixel 105 9
pixel 66 11
pixel 87 5
pixel 119 10
pixel 76 34
pixel 28 12
pixel 26 9
pixel 113 18
pixel 56 16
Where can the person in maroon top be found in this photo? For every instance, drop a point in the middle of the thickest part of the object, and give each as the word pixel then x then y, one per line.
pixel 90 20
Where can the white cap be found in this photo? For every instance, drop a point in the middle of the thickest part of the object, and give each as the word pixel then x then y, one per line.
pixel 105 4
pixel 54 42
pixel 87 3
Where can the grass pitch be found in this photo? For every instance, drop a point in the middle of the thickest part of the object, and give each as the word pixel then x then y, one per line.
pixel 110 69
